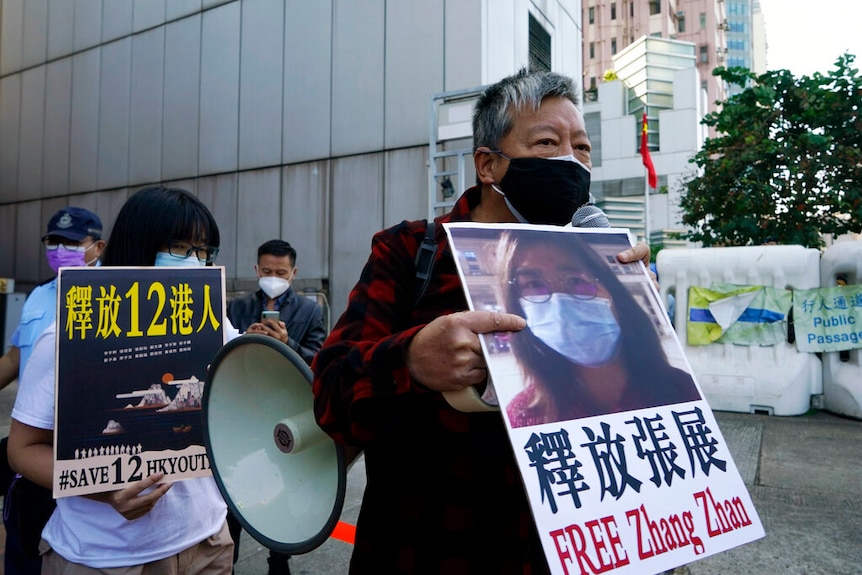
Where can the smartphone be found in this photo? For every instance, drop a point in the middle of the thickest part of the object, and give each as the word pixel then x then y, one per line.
pixel 266 314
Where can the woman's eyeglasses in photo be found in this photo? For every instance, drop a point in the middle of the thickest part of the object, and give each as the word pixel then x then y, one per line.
pixel 537 289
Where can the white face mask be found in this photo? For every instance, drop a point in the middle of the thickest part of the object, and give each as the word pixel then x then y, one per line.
pixel 571 158
pixel 584 331
pixel 166 260
pixel 273 286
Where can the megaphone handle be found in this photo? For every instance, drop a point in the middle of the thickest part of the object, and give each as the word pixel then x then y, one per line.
pixel 298 432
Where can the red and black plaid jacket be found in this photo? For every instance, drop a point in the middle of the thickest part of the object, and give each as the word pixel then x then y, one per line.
pixel 443 493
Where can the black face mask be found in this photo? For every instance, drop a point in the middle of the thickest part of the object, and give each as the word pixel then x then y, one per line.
pixel 545 191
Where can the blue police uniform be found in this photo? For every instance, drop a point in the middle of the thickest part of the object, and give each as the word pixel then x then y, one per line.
pixel 37 314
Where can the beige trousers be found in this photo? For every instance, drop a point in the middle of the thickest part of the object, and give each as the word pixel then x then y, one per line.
pixel 212 556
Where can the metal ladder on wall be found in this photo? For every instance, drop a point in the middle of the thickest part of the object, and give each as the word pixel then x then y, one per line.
pixel 450 143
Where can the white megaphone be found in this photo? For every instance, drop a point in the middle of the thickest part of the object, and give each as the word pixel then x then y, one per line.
pixel 280 474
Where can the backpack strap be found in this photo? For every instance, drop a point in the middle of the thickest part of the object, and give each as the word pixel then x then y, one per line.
pixel 425 261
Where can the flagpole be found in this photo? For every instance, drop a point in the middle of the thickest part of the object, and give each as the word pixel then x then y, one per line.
pixel 650 173
pixel 646 196
pixel 646 206
pixel 644 152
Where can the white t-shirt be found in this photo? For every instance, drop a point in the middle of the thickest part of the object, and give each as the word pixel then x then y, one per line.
pixel 93 533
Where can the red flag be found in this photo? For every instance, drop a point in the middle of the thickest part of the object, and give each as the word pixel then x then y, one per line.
pixel 653 178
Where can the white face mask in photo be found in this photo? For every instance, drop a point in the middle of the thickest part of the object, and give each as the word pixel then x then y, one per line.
pixel 273 286
pixel 166 260
pixel 584 331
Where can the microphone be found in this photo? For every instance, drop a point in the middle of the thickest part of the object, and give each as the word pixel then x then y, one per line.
pixel 590 216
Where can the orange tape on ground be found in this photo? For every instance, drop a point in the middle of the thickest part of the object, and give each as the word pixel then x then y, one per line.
pixel 344 532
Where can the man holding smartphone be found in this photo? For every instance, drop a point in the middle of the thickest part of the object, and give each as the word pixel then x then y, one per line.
pixel 278 311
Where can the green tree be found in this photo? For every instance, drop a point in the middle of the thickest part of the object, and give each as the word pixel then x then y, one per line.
pixel 787 163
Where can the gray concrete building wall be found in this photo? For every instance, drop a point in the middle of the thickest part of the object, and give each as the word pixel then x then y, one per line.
pixel 301 120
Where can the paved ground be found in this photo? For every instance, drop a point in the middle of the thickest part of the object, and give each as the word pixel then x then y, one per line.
pixel 804 474
pixel 805 478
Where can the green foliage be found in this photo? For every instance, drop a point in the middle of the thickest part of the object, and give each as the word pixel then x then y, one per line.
pixel 786 164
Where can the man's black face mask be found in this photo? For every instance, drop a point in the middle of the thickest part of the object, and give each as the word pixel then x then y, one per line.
pixel 545 190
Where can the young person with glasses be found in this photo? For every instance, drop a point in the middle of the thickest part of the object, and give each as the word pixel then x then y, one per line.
pixel 147 528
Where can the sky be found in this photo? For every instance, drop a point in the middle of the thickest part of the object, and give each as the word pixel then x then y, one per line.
pixel 806 36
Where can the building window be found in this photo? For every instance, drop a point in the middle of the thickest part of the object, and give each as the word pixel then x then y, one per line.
pixel 592 50
pixel 704 85
pixel 540 47
pixel 737 27
pixel 593 125
pixel 629 187
pixel 592 14
pixel 654 7
pixel 737 9
pixel 703 20
pixel 613 46
pixel 613 188
pixel 632 9
pixel 680 25
pixel 704 54
pixel 613 10
pixel 592 93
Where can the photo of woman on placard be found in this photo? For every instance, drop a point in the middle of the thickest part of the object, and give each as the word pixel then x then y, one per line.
pixel 588 348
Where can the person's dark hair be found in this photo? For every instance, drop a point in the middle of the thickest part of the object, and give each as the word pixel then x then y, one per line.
pixel 150 219
pixel 640 348
pixel 495 110
pixel 277 248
